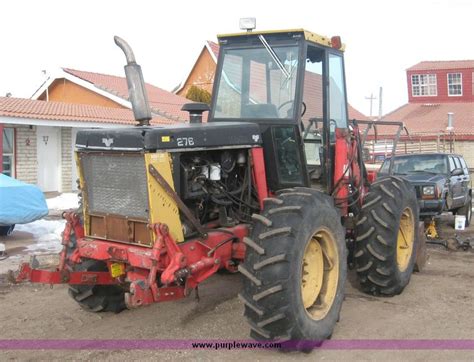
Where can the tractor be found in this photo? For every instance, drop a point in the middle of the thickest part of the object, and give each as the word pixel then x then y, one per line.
pixel 272 184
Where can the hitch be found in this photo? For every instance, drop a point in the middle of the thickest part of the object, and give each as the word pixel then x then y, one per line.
pixel 62 274
pixel 29 273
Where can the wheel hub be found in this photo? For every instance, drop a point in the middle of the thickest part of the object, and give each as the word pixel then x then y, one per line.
pixel 405 239
pixel 320 274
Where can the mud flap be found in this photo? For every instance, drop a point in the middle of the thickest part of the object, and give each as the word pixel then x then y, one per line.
pixel 421 252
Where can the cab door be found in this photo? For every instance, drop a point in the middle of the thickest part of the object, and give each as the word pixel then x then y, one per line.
pixel 461 181
pixel 455 193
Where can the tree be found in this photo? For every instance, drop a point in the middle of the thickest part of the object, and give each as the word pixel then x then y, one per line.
pixel 197 94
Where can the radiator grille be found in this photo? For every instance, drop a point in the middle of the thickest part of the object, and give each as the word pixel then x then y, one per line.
pixel 116 184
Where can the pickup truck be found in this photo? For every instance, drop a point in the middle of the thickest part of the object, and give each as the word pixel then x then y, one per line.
pixel 442 182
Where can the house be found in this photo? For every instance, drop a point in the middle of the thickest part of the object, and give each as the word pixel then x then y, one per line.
pixel 436 89
pixel 38 133
pixel 203 71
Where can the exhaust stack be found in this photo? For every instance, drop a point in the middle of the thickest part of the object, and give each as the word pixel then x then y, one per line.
pixel 136 85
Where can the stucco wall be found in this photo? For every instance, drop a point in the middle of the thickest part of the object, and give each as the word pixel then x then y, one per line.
pixel 466 148
pixel 62 90
pixel 202 74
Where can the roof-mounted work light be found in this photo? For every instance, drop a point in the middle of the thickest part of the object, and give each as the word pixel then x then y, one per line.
pixel 248 24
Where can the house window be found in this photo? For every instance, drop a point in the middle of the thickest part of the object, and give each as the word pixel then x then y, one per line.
pixel 455 84
pixel 8 152
pixel 423 85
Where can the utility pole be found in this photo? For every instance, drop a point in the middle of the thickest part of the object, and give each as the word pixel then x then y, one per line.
pixel 371 99
pixel 380 103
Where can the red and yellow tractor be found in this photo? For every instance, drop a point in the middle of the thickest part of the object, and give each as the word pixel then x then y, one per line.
pixel 273 186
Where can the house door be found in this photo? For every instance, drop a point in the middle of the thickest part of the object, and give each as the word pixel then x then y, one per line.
pixel 48 155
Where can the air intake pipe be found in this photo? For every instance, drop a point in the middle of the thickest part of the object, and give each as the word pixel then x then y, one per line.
pixel 136 85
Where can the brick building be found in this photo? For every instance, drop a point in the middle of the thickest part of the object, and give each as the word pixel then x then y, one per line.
pixel 436 88
pixel 39 133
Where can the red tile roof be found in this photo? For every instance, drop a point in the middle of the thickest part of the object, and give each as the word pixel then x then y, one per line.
pixel 214 47
pixel 433 118
pixel 443 64
pixel 58 111
pixel 162 102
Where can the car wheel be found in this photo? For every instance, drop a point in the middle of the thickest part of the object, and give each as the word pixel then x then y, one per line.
pixel 6 230
pixel 466 210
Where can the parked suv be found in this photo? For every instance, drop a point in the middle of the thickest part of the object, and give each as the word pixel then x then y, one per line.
pixel 442 182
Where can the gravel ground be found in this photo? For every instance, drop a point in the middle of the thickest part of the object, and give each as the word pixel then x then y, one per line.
pixel 437 304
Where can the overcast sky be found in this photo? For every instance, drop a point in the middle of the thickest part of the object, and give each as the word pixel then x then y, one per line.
pixel 382 37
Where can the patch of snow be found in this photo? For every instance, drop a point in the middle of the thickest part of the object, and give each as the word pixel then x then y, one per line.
pixel 64 201
pixel 47 235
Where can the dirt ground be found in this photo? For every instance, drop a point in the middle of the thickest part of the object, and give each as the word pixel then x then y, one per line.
pixel 437 304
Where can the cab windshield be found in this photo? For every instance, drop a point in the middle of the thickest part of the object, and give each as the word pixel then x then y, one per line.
pixel 258 82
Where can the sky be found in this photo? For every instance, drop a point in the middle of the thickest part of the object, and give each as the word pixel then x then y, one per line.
pixel 382 38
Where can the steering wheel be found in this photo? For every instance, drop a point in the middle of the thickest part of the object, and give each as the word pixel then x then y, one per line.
pixel 291 102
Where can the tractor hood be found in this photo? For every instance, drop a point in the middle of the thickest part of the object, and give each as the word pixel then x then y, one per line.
pixel 180 136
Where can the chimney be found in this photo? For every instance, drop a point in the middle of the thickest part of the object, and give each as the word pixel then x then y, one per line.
pixel 450 127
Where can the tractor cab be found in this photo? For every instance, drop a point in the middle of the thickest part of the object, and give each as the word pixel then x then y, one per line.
pixel 291 83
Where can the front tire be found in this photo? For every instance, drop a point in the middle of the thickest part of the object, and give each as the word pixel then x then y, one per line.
pixel 387 237
pixel 466 210
pixel 97 298
pixel 295 269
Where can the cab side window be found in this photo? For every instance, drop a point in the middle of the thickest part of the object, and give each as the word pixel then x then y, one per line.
pixel 337 92
pixel 457 163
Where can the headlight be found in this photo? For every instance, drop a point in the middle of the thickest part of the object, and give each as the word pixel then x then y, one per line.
pixel 428 190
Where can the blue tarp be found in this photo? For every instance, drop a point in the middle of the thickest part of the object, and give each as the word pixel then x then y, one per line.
pixel 20 203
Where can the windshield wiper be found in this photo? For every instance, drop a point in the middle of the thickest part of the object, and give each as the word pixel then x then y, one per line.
pixel 274 56
pixel 425 171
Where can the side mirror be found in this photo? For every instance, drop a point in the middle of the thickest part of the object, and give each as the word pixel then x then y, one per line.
pixel 457 172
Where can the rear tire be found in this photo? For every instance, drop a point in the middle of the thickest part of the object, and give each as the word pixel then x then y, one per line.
pixel 97 298
pixel 466 210
pixel 295 269
pixel 387 237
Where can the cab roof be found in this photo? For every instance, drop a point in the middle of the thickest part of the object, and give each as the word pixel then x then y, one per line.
pixel 309 36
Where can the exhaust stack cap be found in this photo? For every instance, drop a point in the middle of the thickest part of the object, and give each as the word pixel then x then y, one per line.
pixel 195 111
pixel 136 85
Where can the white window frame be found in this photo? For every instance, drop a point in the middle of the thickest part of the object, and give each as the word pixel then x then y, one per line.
pixel 11 155
pixel 428 85
pixel 460 83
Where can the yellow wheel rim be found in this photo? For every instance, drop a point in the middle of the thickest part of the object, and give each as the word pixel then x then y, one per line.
pixel 320 274
pixel 405 239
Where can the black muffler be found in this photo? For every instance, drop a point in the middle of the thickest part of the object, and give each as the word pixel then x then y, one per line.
pixel 136 85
